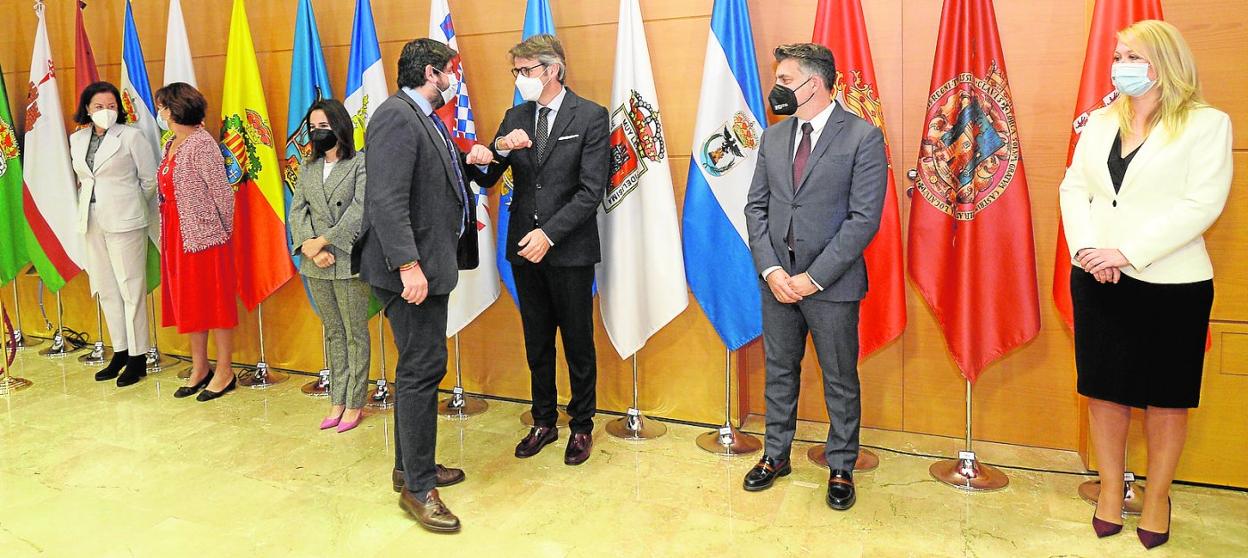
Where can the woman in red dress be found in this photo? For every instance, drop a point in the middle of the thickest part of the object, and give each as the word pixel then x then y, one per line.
pixel 197 222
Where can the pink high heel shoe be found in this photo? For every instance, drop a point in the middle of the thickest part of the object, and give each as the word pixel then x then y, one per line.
pixel 345 426
pixel 330 423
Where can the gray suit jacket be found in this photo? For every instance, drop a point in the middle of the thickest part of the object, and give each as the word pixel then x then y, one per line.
pixel 835 212
pixel 414 209
pixel 332 208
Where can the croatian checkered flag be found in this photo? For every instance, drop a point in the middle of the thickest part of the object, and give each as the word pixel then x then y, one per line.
pixel 477 288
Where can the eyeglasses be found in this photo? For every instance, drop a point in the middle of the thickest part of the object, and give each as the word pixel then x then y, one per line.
pixel 515 72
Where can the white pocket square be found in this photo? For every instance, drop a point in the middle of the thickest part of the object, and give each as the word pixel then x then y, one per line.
pixel 569 137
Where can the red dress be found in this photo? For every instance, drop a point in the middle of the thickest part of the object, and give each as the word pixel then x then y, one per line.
pixel 198 290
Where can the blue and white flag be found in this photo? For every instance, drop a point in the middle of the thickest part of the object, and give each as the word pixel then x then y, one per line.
pixel 727 135
pixel 366 79
pixel 309 83
pixel 136 96
pixel 537 21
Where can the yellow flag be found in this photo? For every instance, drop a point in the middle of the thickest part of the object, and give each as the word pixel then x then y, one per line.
pixel 251 163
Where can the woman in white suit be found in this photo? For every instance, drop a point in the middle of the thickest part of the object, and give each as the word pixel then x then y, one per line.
pixel 1150 175
pixel 116 168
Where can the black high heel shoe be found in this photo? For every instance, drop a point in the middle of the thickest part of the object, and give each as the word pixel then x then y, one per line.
pixel 187 391
pixel 209 395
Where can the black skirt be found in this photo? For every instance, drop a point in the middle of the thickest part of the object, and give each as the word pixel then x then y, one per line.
pixel 1140 344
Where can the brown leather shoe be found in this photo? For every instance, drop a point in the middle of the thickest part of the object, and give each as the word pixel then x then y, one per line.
pixel 446 477
pixel 538 438
pixel 433 515
pixel 579 447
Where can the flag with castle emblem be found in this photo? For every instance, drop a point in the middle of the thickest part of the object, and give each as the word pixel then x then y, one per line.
pixel 251 159
pixel 971 251
pixel 641 279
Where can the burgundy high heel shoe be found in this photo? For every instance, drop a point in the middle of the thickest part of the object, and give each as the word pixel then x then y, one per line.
pixel 1104 528
pixel 1151 539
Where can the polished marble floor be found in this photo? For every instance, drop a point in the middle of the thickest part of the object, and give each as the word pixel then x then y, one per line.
pixel 89 470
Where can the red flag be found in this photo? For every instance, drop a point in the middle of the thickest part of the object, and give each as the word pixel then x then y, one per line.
pixel 839 25
pixel 1095 91
pixel 971 250
pixel 85 72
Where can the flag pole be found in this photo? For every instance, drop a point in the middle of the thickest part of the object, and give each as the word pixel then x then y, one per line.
pixel 58 349
pixel 260 376
pixel 381 397
pixel 8 383
pixel 99 353
pixel 18 339
pixel 155 360
pixel 320 386
pixel 727 441
pixel 634 426
pixel 457 406
pixel 966 472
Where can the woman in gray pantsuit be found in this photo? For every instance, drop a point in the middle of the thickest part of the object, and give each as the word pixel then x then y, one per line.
pixel 325 217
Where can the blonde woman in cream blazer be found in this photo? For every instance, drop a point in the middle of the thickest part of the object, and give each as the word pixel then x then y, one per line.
pixel 116 169
pixel 1150 174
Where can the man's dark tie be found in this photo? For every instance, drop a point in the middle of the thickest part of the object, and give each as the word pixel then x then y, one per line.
pixel 799 167
pixel 455 164
pixel 803 155
pixel 543 131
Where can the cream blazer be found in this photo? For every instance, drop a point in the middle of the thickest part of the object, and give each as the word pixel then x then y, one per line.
pixel 1173 191
pixel 123 179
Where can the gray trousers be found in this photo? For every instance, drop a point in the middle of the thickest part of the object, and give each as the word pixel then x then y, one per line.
pixel 834 327
pixel 343 306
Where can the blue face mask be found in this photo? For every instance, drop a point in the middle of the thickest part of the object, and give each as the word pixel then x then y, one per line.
pixel 1131 78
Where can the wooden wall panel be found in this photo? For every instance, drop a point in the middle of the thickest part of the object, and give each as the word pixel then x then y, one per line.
pixel 909 385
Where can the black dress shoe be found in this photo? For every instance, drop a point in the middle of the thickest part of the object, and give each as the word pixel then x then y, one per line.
pixel 187 391
pixel 209 395
pixel 841 495
pixel 580 445
pixel 114 367
pixel 766 472
pixel 538 438
pixel 136 369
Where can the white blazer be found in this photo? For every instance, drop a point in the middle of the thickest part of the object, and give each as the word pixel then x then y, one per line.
pixel 123 179
pixel 1173 191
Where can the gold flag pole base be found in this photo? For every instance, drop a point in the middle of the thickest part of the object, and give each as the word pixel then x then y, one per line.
pixel 10 384
pixel 728 441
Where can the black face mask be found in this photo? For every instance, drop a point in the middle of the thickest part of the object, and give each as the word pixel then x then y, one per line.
pixel 323 139
pixel 784 100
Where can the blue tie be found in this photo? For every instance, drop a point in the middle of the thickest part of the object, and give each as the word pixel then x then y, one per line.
pixel 459 176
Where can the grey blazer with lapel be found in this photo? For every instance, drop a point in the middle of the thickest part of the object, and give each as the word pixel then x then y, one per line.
pixel 835 212
pixel 414 209
pixel 331 207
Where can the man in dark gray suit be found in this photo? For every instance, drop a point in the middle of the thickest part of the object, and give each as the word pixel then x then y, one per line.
pixel 416 213
pixel 813 207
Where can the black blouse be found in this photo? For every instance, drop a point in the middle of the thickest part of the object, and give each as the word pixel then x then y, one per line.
pixel 1117 163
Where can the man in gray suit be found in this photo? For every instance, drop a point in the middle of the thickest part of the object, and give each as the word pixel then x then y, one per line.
pixel 416 214
pixel 813 207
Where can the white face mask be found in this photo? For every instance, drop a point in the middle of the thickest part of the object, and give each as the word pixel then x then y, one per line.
pixel 161 122
pixel 530 88
pixel 104 118
pixel 452 88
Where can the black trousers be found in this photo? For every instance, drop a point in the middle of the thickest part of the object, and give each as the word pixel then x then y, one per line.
pixel 559 298
pixel 420 335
